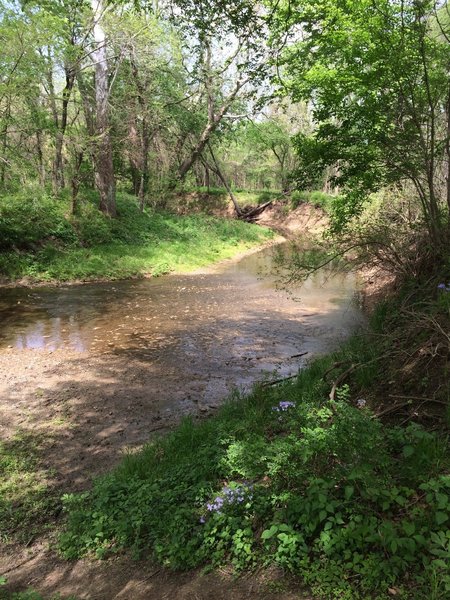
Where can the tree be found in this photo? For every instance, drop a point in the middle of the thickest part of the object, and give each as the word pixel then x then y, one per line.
pixel 103 158
pixel 226 38
pixel 376 74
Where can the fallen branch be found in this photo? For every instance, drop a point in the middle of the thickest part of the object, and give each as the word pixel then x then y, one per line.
pixel 335 365
pixel 419 399
pixel 390 409
pixel 342 378
pixel 276 381
pixel 298 355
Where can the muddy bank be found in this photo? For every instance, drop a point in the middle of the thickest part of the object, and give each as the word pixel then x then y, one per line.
pixel 98 370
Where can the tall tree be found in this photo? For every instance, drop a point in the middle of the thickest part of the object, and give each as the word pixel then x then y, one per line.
pixel 103 157
pixel 376 74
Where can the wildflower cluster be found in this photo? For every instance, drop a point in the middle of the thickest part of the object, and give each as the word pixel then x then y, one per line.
pixel 229 495
pixel 283 406
pixel 444 287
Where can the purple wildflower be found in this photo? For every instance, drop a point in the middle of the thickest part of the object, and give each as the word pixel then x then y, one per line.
pixel 283 406
pixel 444 287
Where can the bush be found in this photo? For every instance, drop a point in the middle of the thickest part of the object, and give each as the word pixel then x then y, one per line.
pixel 32 217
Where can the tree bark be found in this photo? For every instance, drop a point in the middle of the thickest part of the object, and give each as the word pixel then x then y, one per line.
pixel 76 181
pixel 4 134
pixel 217 170
pixel 103 158
pixel 145 134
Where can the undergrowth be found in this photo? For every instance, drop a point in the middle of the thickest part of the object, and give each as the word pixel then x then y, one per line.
pixel 27 505
pixel 40 240
pixel 286 476
pixel 317 198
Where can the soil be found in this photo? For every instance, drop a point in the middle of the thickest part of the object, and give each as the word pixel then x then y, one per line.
pixel 90 407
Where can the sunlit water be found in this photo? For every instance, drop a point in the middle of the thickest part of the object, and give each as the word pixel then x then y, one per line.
pixel 233 313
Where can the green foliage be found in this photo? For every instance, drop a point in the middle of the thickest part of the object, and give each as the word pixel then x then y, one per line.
pixel 25 501
pixel 31 218
pixel 284 476
pixel 31 594
pixel 41 241
pixel 376 76
pixel 318 199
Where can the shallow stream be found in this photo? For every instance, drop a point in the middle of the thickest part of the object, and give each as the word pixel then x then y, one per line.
pixel 231 323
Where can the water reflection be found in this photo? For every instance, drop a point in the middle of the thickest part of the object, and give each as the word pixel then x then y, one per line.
pixel 183 312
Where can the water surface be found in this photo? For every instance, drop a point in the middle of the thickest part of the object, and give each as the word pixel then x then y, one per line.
pixel 231 320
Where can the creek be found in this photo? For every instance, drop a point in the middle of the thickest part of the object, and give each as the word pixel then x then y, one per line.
pixel 228 326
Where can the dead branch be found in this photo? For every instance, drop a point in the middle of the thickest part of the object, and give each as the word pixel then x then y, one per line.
pixel 342 378
pixel 277 381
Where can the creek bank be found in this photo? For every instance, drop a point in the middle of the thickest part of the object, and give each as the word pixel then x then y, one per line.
pixel 52 247
pixel 80 411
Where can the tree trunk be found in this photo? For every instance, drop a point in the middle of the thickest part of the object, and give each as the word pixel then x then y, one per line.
pixel 217 170
pixel 40 157
pixel 207 180
pixel 4 161
pixel 58 165
pixel 143 187
pixel 144 134
pixel 76 181
pixel 447 149
pixel 103 159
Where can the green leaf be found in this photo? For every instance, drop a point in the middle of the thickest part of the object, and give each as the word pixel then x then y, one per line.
pixel 440 517
pixel 409 528
pixel 442 500
pixel 349 490
pixel 269 533
pixel 408 451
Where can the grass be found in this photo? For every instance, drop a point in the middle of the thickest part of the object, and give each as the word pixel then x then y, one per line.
pixel 27 505
pixel 29 594
pixel 38 240
pixel 317 198
pixel 286 476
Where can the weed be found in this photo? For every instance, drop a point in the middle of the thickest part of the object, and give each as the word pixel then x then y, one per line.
pixel 25 501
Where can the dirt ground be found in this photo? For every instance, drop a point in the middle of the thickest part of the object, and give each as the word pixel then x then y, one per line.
pixel 90 407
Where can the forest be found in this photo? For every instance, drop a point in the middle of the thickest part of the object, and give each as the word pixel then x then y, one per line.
pixel 176 420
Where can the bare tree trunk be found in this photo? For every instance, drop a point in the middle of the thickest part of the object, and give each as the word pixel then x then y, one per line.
pixel 75 183
pixel 103 159
pixel 4 161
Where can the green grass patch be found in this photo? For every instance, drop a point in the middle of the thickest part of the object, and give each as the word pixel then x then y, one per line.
pixel 285 476
pixel 316 198
pixel 29 594
pixel 26 503
pixel 42 242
